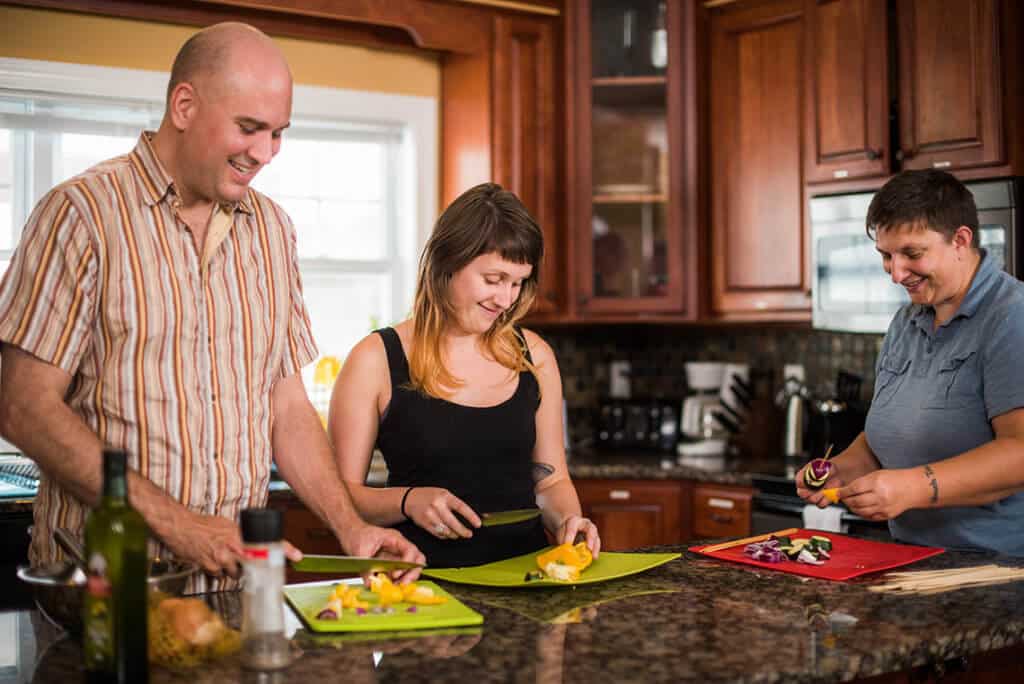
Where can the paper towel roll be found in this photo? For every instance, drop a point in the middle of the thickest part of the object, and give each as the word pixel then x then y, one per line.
pixel 828 519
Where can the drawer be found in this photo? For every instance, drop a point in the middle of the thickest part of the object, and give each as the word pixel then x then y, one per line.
pixel 721 512
pixel 593 492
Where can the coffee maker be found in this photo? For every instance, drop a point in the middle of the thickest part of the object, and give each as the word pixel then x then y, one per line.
pixel 705 436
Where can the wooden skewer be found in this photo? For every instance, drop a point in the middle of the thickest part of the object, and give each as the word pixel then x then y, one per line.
pixel 749 540
pixel 828 452
pixel 936 581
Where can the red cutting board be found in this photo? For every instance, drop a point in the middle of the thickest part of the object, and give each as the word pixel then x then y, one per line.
pixel 851 557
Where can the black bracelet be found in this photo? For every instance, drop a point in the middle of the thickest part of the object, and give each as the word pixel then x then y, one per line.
pixel 401 508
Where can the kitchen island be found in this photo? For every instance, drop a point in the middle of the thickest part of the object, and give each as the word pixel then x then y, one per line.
pixel 693 619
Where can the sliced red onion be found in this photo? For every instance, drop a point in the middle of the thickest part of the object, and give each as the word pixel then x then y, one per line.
pixel 817 472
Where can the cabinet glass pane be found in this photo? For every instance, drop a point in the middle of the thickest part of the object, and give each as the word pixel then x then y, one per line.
pixel 629 145
pixel 630 249
pixel 628 37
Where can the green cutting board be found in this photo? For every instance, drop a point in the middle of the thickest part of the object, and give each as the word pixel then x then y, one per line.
pixel 511 572
pixel 307 601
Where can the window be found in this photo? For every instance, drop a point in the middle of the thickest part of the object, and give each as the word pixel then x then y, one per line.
pixel 356 173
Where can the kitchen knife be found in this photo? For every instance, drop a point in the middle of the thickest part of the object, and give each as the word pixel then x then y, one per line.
pixel 727 422
pixel 734 414
pixel 509 517
pixel 350 564
pixel 741 393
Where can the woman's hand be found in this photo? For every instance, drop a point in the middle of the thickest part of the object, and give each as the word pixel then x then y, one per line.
pixel 434 509
pixel 814 496
pixel 883 494
pixel 574 525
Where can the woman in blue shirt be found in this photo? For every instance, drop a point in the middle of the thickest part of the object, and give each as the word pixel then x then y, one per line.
pixel 942 453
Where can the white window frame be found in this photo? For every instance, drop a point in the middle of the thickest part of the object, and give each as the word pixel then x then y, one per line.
pixel 416 116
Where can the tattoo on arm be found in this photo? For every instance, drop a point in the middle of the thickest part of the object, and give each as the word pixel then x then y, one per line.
pixel 542 471
pixel 929 473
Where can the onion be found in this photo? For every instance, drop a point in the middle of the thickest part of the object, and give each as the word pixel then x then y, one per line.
pixel 816 472
pixel 766 552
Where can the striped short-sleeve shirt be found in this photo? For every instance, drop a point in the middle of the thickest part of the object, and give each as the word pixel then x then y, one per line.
pixel 173 352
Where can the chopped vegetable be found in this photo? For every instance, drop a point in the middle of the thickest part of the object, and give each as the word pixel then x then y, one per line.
pixel 832 494
pixel 802 550
pixel 564 563
pixel 416 593
pixel 766 552
pixel 326 614
pixel 533 575
pixel 817 472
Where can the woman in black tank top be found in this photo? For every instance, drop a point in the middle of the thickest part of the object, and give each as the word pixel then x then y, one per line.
pixel 463 404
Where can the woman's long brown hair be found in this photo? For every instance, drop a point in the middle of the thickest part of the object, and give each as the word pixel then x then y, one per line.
pixel 483 220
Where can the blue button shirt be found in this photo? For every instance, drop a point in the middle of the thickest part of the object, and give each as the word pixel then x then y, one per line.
pixel 936 393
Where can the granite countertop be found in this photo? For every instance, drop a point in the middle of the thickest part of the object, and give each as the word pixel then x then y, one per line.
pixel 661 466
pixel 583 464
pixel 693 619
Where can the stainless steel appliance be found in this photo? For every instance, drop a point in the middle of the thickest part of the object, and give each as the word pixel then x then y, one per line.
pixel 850 289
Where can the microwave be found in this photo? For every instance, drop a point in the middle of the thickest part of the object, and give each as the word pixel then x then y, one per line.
pixel 851 292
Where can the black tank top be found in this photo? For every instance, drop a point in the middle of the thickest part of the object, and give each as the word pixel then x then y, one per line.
pixel 483 455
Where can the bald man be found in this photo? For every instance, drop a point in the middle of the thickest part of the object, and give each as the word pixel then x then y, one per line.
pixel 154 305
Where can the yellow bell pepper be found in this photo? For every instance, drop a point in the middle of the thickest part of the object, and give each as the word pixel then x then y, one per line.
pixel 387 593
pixel 831 494
pixel 424 596
pixel 349 596
pixel 565 562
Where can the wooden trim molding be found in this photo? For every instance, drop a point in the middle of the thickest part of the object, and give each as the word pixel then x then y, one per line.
pixel 530 7
pixel 395 24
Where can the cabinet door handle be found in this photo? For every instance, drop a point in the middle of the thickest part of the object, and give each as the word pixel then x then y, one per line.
pixel 619 495
pixel 583 300
pixel 551 297
pixel 874 154
pixel 723 519
pixel 906 154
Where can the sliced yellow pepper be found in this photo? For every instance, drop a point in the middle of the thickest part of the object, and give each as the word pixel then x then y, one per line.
pixel 349 596
pixel 424 596
pixel 565 562
pixel 387 593
pixel 831 494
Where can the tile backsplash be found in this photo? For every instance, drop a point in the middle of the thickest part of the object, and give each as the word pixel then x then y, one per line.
pixel 657 353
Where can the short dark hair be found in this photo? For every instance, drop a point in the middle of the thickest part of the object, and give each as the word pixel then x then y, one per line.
pixel 928 198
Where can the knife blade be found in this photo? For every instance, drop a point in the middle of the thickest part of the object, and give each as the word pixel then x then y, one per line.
pixel 349 564
pixel 509 517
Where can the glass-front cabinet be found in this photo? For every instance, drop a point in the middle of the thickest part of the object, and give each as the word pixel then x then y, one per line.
pixel 633 213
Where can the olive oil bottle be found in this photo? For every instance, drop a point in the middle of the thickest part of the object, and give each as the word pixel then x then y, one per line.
pixel 114 607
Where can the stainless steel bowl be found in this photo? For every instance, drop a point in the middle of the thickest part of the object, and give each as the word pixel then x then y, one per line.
pixel 58 587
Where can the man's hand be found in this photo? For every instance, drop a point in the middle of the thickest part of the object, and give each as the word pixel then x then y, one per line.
pixel 214 543
pixel 368 541
pixel 882 494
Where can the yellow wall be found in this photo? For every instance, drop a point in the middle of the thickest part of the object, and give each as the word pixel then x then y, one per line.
pixel 105 41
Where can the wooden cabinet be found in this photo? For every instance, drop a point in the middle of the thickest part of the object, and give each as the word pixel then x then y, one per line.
pixel 760 265
pixel 305 531
pixel 632 514
pixel 937 79
pixel 632 157
pixel 848 90
pixel 950 84
pixel 526 139
pixel 720 511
